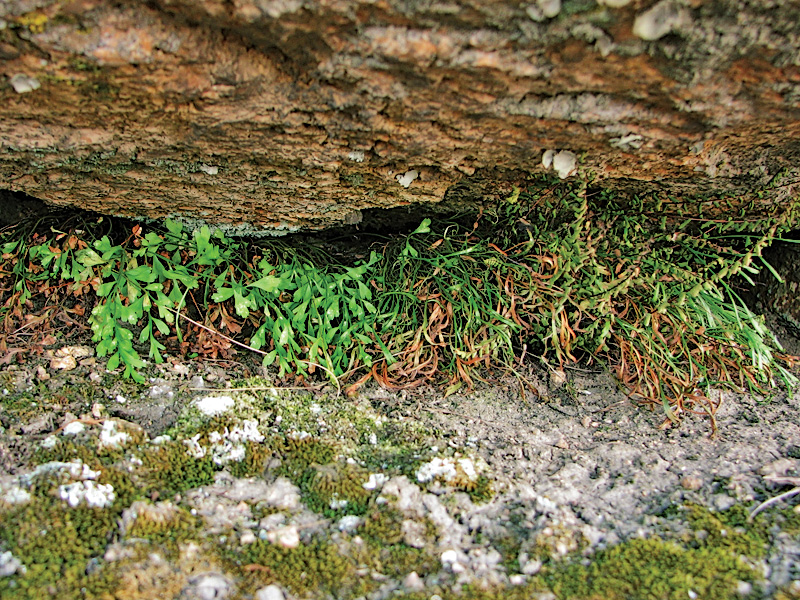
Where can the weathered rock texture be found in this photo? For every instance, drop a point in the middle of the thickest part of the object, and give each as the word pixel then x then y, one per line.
pixel 287 114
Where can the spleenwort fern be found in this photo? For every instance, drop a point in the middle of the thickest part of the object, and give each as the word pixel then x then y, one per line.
pixel 571 272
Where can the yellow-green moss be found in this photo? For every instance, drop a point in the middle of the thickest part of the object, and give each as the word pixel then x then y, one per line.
pixel 164 525
pixel 35 22
pixel 316 568
pixel 254 462
pixel 649 569
pixel 335 489
pixel 66 450
pixel 728 530
pixel 480 490
pixel 57 545
pixel 387 553
pixel 298 454
pixel 169 469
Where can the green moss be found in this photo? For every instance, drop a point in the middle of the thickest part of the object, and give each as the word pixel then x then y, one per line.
pixel 383 527
pixel 35 22
pixel 334 490
pixel 57 545
pixel 169 469
pixel 729 530
pixel 67 450
pixel 317 567
pixel 126 489
pixel 650 569
pixel 382 530
pixel 480 490
pixel 164 525
pixel 254 462
pixel 299 454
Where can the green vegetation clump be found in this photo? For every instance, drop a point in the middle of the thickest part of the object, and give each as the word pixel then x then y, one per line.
pixel 557 270
pixel 163 524
pixel 336 489
pixel 169 469
pixel 56 544
pixel 300 453
pixel 651 569
pixel 729 530
pixel 387 553
pixel 313 568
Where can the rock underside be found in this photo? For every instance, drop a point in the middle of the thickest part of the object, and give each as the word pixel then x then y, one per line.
pixel 280 115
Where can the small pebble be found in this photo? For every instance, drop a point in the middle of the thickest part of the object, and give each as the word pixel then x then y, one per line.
pixel 691 482
pixel 413 582
pixel 271 592
pixel 210 587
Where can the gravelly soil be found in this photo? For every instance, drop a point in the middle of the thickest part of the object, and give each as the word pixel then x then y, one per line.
pixel 574 468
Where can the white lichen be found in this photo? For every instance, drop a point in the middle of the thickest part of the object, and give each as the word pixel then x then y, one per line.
pixel 228 445
pixel 356 156
pixel 657 21
pixel 626 142
pixel 209 169
pixel 447 469
pixel 406 179
pixel 10 564
pixel 16 495
pixel 110 437
pixel 24 83
pixel 73 428
pixel 92 493
pixel 214 405
pixel 75 470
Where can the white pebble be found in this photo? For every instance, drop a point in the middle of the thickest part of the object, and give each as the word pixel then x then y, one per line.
pixel 657 22
pixel 214 405
pixel 564 163
pixel 271 592
pixel 23 83
pixel 406 179
pixel 73 428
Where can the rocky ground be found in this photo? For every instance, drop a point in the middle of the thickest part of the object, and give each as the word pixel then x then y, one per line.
pixel 205 483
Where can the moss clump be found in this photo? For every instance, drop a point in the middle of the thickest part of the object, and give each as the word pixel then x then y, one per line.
pixel 254 462
pixel 383 527
pixel 314 568
pixel 58 546
pixel 650 568
pixel 35 22
pixel 169 469
pixel 66 450
pixel 335 489
pixel 387 552
pixel 728 530
pixel 479 490
pixel 164 524
pixel 300 453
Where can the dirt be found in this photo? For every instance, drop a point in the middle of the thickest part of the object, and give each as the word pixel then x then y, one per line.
pixel 574 466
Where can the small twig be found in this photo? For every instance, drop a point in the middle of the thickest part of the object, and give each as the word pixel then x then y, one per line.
pixel 771 501
pixel 330 373
pixel 257 388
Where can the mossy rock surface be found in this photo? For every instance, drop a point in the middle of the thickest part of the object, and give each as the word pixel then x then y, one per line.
pixel 469 496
